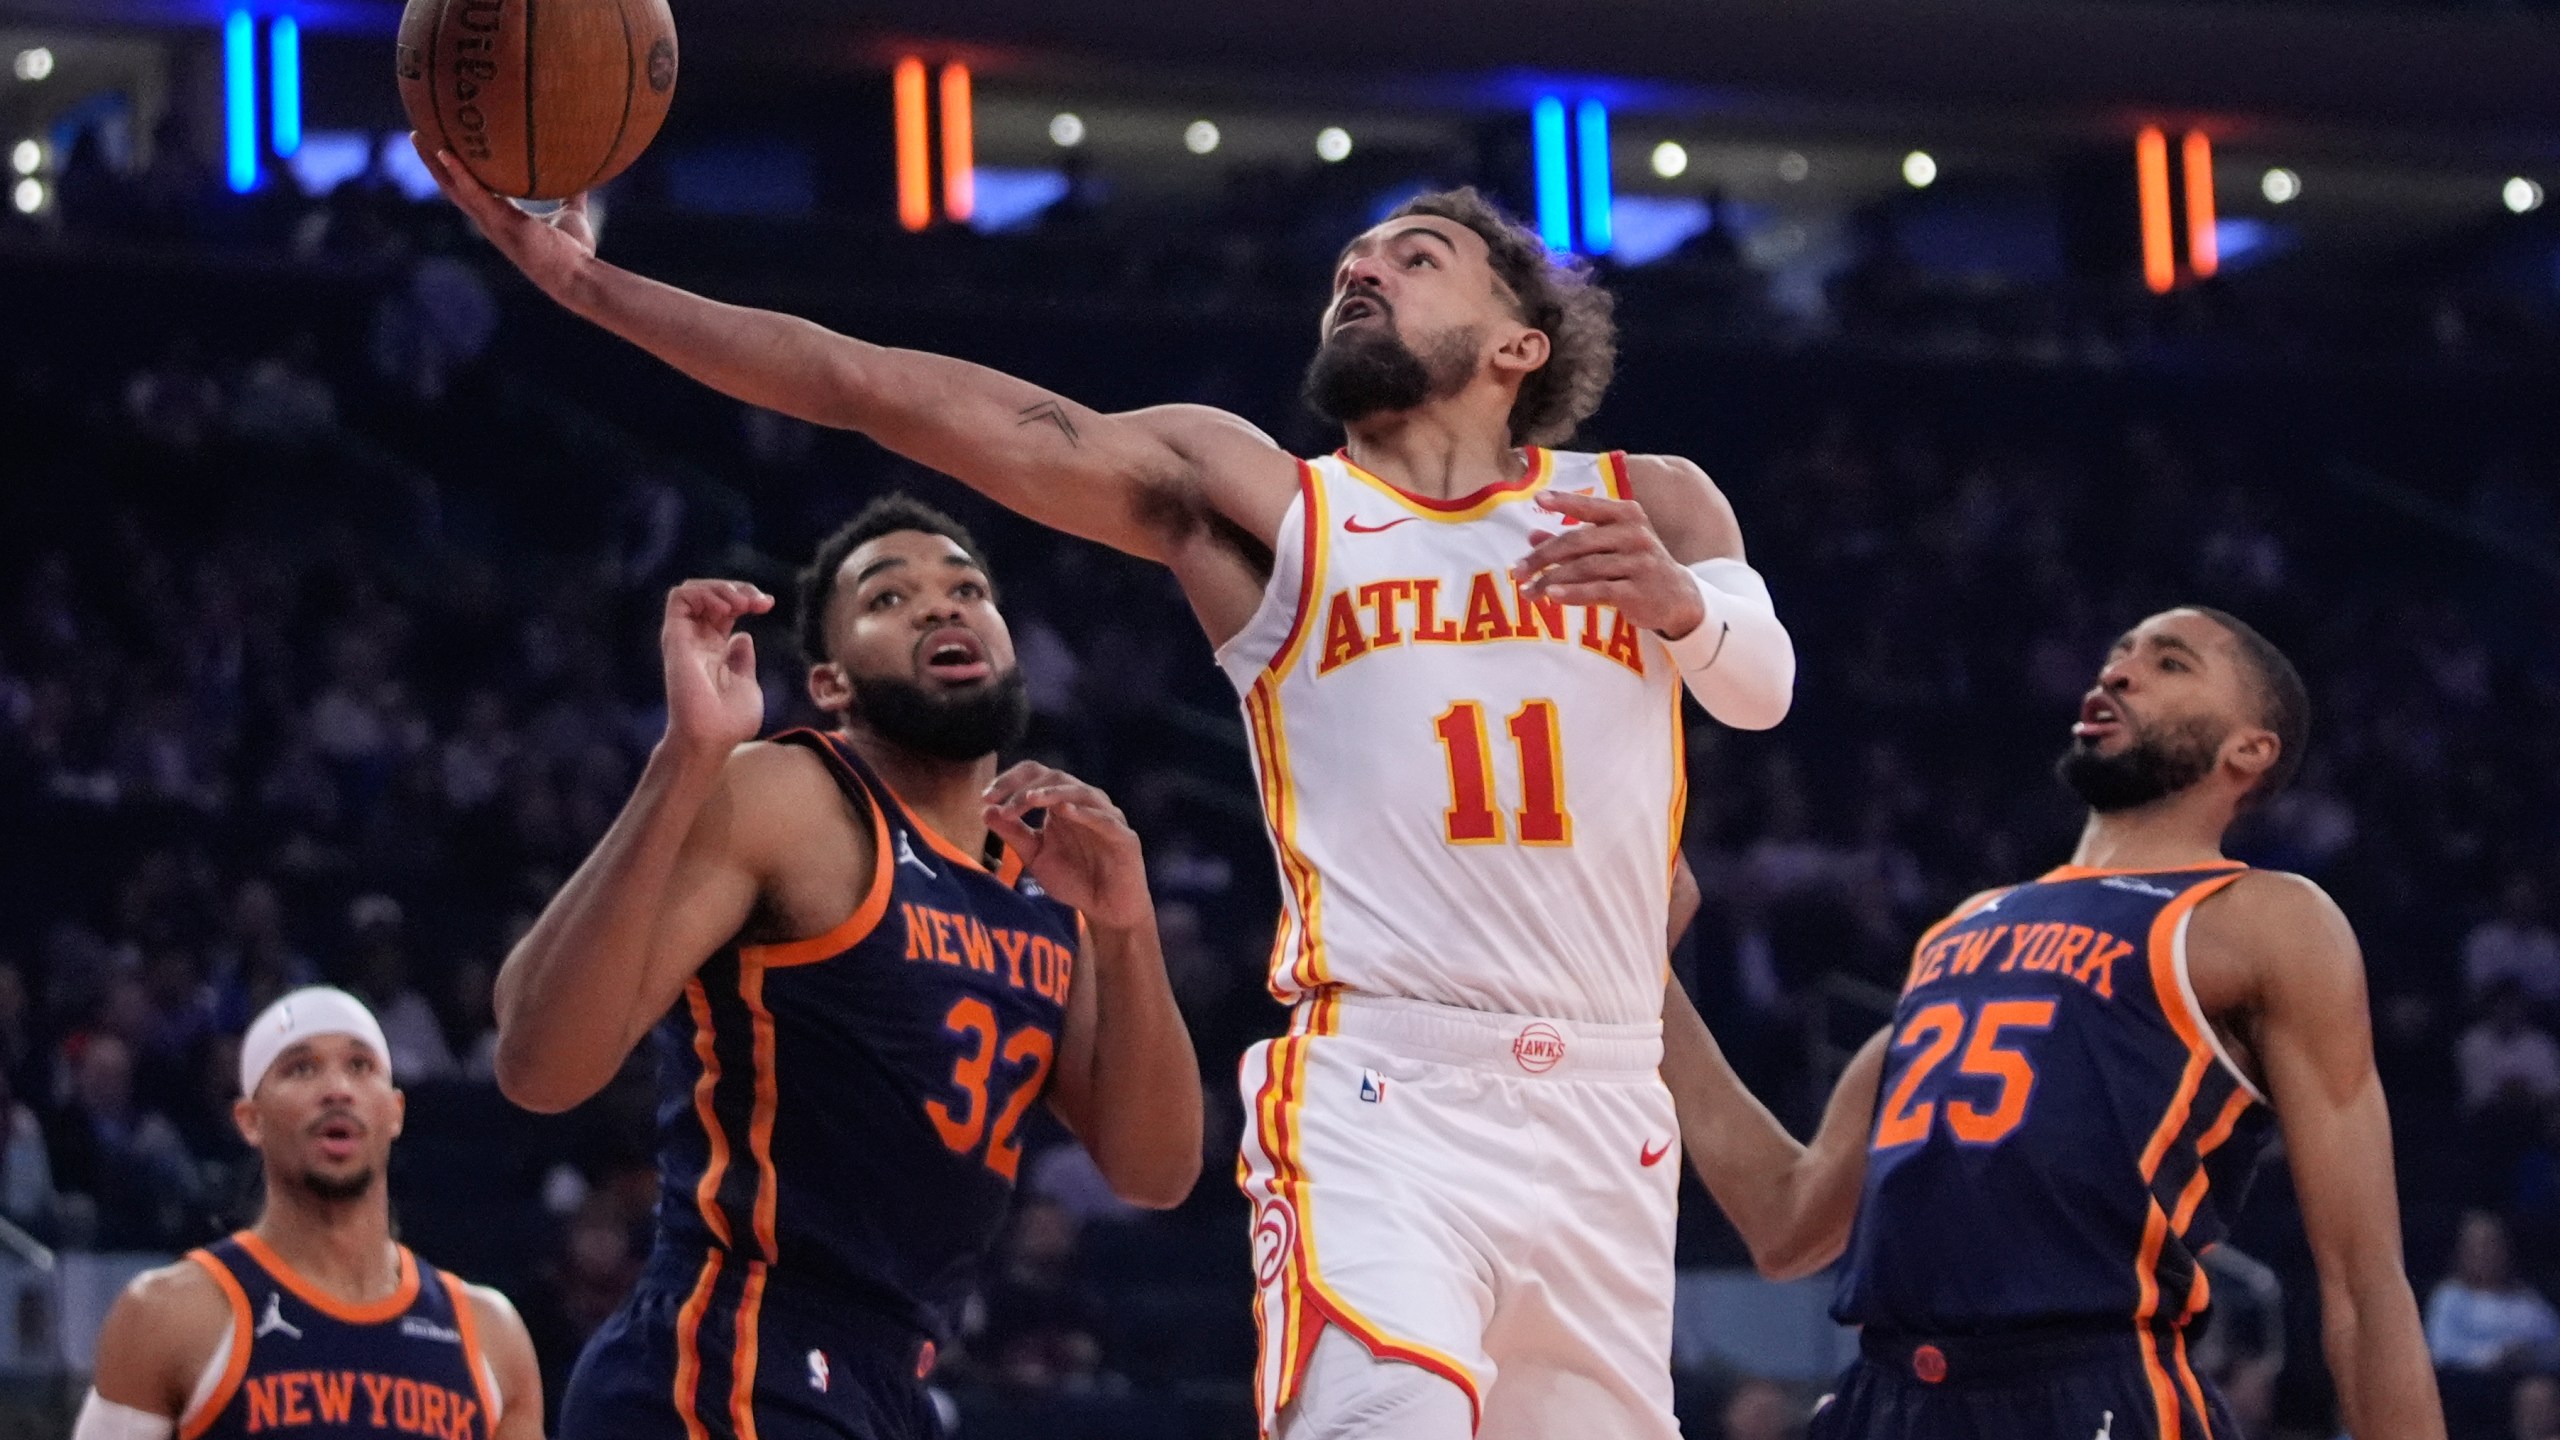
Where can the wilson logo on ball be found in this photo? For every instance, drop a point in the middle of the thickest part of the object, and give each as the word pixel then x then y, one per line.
pixel 539 99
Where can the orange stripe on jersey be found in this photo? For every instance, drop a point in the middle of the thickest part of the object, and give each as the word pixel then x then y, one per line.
pixel 243 1336
pixel 760 1126
pixel 1613 469
pixel 467 1324
pixel 2193 1195
pixel 742 1363
pixel 856 927
pixel 706 1192
pixel 403 1293
pixel 2155 1232
pixel 1465 507
pixel 689 1347
pixel 2164 973
pixel 2091 872
pixel 1311 566
pixel 2187 1380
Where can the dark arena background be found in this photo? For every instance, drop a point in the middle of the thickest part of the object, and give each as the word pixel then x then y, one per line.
pixel 331 556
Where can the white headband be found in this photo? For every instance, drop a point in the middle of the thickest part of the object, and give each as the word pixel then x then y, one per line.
pixel 299 1016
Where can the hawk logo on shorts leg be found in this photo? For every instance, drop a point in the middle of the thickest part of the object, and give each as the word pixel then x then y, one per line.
pixel 1275 1234
pixel 1538 1048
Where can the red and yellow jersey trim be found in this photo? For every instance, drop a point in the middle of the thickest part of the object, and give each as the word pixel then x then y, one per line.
pixel 1297 950
pixel 243 1336
pixel 1613 471
pixel 1541 467
pixel 389 1307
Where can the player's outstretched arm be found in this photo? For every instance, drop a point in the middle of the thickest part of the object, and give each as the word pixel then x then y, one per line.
pixel 674 878
pixel 1139 482
pixel 1127 1082
pixel 1793 1203
pixel 158 1335
pixel 508 1347
pixel 2281 944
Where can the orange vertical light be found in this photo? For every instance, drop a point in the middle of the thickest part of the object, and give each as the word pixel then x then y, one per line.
pixel 959 145
pixel 2151 169
pixel 915 160
pixel 2204 254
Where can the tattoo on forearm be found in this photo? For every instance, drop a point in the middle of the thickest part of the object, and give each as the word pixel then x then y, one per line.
pixel 1055 414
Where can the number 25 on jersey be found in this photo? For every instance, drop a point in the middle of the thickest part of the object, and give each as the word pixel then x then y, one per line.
pixel 1935 1031
pixel 1539 744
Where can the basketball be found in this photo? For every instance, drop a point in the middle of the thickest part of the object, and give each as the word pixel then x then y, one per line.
pixel 539 99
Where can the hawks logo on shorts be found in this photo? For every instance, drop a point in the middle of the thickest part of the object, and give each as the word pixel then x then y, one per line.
pixel 1473 794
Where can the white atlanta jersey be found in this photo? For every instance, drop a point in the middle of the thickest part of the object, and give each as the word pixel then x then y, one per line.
pixel 1474 797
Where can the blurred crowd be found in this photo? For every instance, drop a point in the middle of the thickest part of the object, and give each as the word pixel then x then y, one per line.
pixel 327 649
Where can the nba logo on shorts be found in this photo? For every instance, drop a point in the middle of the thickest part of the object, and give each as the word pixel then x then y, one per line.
pixel 818 1371
pixel 1373 1086
pixel 1538 1048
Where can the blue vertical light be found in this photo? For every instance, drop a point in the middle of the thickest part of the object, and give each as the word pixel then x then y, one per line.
pixel 1591 130
pixel 240 101
pixel 284 81
pixel 1555 200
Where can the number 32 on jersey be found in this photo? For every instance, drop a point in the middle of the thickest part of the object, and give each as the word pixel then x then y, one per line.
pixel 1538 745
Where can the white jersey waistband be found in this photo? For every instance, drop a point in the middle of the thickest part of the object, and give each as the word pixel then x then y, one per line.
pixel 1532 1045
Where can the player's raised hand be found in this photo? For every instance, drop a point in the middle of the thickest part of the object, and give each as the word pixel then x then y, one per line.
pixel 1611 556
pixel 1084 852
pixel 713 701
pixel 549 249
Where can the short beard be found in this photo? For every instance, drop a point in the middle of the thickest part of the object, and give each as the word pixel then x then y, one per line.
pixel 962 726
pixel 1363 372
pixel 2152 768
pixel 336 1191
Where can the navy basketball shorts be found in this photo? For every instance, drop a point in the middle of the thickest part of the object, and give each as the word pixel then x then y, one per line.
pixel 2094 1384
pixel 722 1360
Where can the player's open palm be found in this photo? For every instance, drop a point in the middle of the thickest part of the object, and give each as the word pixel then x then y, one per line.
pixel 1083 852
pixel 549 249
pixel 713 700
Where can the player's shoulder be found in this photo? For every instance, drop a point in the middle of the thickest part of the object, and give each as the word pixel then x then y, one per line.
pixel 766 767
pixel 491 1311
pixel 164 1320
pixel 2278 928
pixel 1684 505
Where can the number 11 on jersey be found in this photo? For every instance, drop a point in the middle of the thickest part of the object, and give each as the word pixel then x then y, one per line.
pixel 1539 744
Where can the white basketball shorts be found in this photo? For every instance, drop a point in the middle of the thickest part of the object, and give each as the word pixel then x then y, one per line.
pixel 1491 1198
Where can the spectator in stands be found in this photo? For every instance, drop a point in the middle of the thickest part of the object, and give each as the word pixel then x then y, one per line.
pixel 283 397
pixel 175 401
pixel 2506 1061
pixel 380 975
pixel 2515 945
pixel 27 1196
pixel 2483 1319
pixel 255 962
pixel 129 1162
pixel 2242 1348
pixel 1041 1323
pixel 2537 1408
pixel 1762 1410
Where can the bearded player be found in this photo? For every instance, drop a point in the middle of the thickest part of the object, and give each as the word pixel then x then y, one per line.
pixel 865 955
pixel 2081 1075
pixel 1461 655
pixel 313 1324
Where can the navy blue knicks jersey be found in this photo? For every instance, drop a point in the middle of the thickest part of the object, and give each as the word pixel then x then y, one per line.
pixel 301 1365
pixel 840 1116
pixel 2058 1134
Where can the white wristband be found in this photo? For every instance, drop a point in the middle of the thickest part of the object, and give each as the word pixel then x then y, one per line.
pixel 104 1419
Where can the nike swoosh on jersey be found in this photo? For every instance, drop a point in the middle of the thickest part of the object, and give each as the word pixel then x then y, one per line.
pixel 1352 524
pixel 1652 1156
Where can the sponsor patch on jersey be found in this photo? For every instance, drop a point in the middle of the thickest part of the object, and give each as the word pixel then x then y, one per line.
pixel 419 1327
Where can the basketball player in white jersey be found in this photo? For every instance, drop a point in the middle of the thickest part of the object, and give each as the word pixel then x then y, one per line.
pixel 1461 656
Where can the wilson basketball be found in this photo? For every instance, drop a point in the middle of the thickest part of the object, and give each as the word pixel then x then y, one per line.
pixel 540 99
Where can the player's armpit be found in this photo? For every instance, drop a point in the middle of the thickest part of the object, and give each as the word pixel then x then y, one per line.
pixel 2282 943
pixel 158 1336
pixel 508 1347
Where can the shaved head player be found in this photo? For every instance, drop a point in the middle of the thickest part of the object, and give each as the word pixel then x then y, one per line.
pixel 313 1324
pixel 2082 1074
pixel 1461 654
